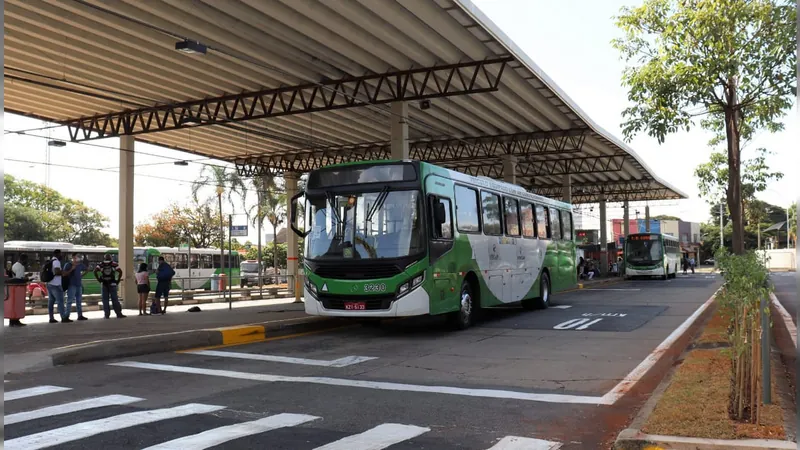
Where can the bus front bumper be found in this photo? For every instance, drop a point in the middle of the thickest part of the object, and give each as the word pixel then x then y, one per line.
pixel 415 303
pixel 658 271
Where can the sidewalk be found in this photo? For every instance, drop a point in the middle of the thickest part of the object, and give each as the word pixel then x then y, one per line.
pixel 41 344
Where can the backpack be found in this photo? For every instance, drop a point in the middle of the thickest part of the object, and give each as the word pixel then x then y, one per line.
pixel 46 274
pixel 107 273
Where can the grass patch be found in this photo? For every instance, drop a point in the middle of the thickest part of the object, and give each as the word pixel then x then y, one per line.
pixel 695 403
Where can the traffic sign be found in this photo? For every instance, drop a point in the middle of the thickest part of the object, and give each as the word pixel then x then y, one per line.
pixel 239 230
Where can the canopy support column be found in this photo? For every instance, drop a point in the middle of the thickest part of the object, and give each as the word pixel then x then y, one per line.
pixel 399 147
pixel 127 288
pixel 509 168
pixel 603 237
pixel 626 230
pixel 566 195
pixel 290 179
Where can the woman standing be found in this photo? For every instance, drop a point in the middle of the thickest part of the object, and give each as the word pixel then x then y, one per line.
pixel 143 288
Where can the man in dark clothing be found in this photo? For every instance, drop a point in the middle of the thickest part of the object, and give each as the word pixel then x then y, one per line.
pixel 106 273
pixel 164 275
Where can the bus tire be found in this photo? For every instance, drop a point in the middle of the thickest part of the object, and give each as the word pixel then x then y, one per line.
pixel 543 301
pixel 462 319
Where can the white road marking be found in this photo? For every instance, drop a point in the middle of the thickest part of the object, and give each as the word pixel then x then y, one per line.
pixel 91 403
pixel 377 438
pixel 83 430
pixel 581 324
pixel 32 392
pixel 561 306
pixel 341 362
pixel 787 318
pixel 523 443
pixel 587 325
pixel 221 435
pixel 639 371
pixel 610 289
pixel 380 385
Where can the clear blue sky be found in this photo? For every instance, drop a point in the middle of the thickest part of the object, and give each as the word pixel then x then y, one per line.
pixel 568 39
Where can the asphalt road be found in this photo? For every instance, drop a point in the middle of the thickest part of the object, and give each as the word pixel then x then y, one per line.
pixel 786 291
pixel 537 379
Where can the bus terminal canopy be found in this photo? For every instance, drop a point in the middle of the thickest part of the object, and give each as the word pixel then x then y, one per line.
pixel 290 86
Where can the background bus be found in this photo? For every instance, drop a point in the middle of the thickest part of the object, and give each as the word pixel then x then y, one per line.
pixel 652 254
pixel 386 239
pixel 193 267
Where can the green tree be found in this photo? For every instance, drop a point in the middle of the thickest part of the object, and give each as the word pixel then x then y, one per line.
pixel 270 202
pixel 227 185
pixel 175 224
pixel 728 63
pixel 36 212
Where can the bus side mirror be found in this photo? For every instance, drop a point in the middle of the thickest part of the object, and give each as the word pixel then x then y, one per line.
pixel 294 207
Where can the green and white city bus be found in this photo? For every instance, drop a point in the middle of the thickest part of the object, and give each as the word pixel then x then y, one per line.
pixel 652 254
pixel 408 238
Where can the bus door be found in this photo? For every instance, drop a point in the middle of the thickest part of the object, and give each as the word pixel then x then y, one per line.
pixel 439 204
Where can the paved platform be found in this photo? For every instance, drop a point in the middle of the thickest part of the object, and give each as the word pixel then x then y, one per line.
pixel 414 381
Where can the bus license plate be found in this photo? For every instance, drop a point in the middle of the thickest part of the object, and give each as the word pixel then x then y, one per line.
pixel 355 305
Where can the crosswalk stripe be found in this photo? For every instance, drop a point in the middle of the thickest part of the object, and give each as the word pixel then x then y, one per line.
pixel 341 362
pixel 377 438
pixel 32 392
pixel 97 402
pixel 220 435
pixel 83 430
pixel 523 443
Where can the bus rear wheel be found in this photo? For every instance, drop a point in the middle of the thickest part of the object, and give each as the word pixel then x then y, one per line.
pixel 462 319
pixel 543 301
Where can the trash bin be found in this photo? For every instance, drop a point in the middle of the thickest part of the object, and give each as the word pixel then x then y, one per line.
pixel 223 282
pixel 215 282
pixel 14 302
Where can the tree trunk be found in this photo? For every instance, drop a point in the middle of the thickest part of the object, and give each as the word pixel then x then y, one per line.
pixel 221 234
pixel 734 170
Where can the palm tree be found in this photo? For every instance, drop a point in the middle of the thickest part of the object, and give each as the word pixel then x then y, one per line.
pixel 266 187
pixel 274 209
pixel 227 184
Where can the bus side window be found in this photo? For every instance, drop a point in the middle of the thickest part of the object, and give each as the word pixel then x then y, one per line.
pixel 491 214
pixel 542 225
pixel 526 216
pixel 512 216
pixel 566 224
pixel 217 262
pixel 555 224
pixel 467 212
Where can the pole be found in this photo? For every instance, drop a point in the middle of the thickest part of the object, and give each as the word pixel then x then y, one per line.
pixel 260 265
pixel 230 261
pixel 788 243
pixel 721 240
pixel 766 382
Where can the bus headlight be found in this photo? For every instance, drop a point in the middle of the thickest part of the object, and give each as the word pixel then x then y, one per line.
pixel 411 284
pixel 311 287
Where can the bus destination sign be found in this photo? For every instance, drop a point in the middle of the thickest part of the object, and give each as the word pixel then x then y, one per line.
pixel 643 237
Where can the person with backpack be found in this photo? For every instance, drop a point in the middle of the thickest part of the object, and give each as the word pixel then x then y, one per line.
pixel 106 273
pixel 73 285
pixel 51 274
pixel 164 275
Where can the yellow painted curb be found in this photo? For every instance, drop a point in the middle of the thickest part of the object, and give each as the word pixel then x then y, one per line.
pixel 242 334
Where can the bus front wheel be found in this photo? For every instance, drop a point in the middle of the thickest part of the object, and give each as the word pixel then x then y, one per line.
pixel 462 319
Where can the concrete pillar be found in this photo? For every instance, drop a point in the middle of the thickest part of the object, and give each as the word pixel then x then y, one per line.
pixel 626 229
pixel 509 168
pixel 290 179
pixel 566 195
pixel 647 218
pixel 127 289
pixel 399 118
pixel 603 238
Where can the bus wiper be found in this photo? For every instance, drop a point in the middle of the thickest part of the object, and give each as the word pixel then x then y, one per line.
pixel 378 203
pixel 332 201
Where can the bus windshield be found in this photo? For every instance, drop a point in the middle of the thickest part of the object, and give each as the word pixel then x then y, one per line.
pixel 644 252
pixel 368 225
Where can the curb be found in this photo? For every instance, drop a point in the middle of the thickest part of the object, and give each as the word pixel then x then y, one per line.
pixel 630 439
pixel 183 340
